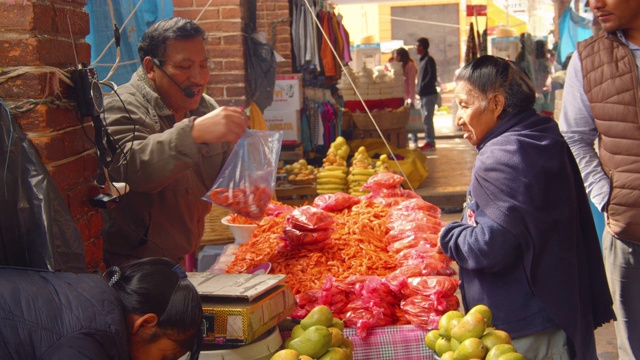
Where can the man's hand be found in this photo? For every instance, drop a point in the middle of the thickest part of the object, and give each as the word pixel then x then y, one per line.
pixel 222 124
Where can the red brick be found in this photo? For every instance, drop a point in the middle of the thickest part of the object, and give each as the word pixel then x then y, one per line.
pixel 219 3
pixel 282 48
pixel 228 78
pixel 230 13
pixel 284 67
pixel 68 174
pixel 61 145
pixel 232 40
pixel 34 86
pixel 226 52
pixel 212 40
pixel 182 4
pixel 234 91
pixel 42 51
pixel 193 14
pixel 93 253
pixel 95 223
pixel 16 17
pixel 52 20
pixel 216 65
pixel 79 199
pixel 46 118
pixel 216 92
pixel 222 26
pixel 233 65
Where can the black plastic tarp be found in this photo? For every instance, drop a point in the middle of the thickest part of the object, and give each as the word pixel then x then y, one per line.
pixel 36 227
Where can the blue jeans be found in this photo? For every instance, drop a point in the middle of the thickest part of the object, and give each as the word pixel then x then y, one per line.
pixel 428 108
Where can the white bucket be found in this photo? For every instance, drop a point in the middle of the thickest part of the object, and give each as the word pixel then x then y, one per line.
pixel 241 233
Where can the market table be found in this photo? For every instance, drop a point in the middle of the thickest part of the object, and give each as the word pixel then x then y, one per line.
pixel 404 342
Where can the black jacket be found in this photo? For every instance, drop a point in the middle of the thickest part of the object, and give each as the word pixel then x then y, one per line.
pixel 427 76
pixel 47 315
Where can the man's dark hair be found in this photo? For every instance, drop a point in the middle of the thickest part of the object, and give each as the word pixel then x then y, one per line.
pixel 424 42
pixel 154 40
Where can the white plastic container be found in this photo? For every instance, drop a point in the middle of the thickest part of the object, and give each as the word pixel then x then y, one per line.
pixel 241 233
pixel 262 349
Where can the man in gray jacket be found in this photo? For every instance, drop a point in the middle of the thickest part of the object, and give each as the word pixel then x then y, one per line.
pixel 172 140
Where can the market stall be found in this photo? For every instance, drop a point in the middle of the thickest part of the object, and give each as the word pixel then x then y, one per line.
pixel 370 257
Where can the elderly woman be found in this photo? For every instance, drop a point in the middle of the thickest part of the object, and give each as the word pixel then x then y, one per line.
pixel 527 246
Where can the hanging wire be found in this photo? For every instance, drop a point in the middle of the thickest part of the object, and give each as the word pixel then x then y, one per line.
pixel 104 51
pixel 203 9
pixel 6 163
pixel 366 108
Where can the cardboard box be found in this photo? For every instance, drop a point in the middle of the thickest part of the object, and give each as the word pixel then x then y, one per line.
pixel 286 121
pixel 287 93
pixel 230 321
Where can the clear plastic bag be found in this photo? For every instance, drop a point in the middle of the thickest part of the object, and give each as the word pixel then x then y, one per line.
pixel 247 180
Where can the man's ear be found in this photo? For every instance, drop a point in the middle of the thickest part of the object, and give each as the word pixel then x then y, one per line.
pixel 143 323
pixel 149 68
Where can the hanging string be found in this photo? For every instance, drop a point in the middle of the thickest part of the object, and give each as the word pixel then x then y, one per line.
pixel 366 108
pixel 104 51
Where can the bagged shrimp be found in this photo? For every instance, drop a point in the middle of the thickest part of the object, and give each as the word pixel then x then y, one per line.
pixel 247 180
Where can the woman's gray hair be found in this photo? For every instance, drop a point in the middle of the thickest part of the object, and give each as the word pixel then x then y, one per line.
pixel 490 75
pixel 154 41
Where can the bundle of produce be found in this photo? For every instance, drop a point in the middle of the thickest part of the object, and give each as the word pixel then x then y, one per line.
pixel 335 202
pixel 332 176
pixel 318 336
pixel 382 165
pixel 360 171
pixel 300 171
pixel 411 223
pixel 331 179
pixel 307 226
pixel 471 336
pixel 385 190
pixel 427 298
pixel 363 302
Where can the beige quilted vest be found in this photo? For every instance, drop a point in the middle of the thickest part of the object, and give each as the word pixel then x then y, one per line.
pixel 611 85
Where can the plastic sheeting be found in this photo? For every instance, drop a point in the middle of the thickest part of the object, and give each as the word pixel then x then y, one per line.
pixel 261 71
pixel 133 19
pixel 36 227
pixel 572 29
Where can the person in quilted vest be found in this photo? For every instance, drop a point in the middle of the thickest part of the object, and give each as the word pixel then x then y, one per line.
pixel 601 101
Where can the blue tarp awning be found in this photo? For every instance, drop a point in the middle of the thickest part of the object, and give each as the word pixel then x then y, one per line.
pixel 133 19
pixel 573 28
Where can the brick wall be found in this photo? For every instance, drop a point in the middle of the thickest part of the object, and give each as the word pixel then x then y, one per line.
pixel 274 20
pixel 37 34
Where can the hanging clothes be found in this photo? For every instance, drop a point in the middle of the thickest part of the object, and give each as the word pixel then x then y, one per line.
pixel 346 49
pixel 328 62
